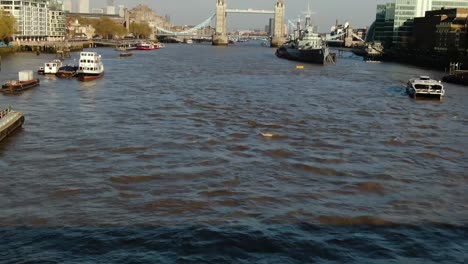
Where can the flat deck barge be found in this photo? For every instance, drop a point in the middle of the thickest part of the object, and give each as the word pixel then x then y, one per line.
pixel 9 121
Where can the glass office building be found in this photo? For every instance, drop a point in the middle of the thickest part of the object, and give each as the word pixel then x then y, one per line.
pixel 397 27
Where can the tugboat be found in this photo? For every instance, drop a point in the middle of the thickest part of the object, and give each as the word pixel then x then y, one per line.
pixel 26 81
pixel 425 87
pixel 9 121
pixel 51 67
pixel 306 45
pixel 90 67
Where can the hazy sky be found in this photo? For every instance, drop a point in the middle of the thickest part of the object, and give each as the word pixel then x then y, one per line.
pixel 359 13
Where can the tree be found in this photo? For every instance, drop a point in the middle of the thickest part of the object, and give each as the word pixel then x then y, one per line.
pixel 7 26
pixel 104 26
pixel 107 28
pixel 141 30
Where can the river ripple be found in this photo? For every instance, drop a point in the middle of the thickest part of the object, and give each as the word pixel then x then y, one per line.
pixel 173 138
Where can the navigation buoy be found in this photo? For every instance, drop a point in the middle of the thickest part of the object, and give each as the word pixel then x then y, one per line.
pixel 300 67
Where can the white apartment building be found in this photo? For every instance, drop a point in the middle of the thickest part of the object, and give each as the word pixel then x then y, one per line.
pixel 110 10
pixel 31 18
pixel 56 26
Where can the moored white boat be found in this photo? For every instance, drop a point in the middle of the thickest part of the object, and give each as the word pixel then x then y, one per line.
pixel 425 87
pixel 50 67
pixel 90 67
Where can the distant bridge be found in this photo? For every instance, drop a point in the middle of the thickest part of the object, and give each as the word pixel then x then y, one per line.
pixel 250 11
pixel 220 36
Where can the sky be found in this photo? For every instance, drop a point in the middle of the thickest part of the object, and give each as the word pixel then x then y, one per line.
pixel 359 13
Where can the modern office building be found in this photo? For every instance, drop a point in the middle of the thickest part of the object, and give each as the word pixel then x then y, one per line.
pixel 384 21
pixel 400 14
pixel 31 18
pixel 110 10
pixel 83 6
pixel 67 6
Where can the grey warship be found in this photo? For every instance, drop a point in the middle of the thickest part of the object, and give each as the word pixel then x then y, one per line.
pixel 305 45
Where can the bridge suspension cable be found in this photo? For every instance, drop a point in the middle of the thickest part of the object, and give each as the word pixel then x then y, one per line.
pixel 202 25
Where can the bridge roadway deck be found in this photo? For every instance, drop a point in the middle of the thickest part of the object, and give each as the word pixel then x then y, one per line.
pixel 250 11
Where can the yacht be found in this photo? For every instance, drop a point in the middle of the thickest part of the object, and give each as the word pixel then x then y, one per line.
pixel 90 67
pixel 426 87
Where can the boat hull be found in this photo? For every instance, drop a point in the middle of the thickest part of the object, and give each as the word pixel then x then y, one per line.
pixel 126 54
pixel 423 93
pixel 146 48
pixel 317 56
pixel 67 72
pixel 19 87
pixel 89 77
pixel 10 123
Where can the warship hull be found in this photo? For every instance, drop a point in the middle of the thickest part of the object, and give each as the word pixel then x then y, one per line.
pixel 317 56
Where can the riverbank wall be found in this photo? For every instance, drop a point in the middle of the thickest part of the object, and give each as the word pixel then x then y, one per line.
pixel 435 61
pixel 7 50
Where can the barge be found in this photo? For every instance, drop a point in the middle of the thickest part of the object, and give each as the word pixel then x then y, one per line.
pixel 10 121
pixel 26 81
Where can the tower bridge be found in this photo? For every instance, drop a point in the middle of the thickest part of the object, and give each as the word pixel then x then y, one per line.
pixel 220 37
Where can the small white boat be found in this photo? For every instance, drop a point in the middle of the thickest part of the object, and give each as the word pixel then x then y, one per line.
pixel 426 87
pixel 50 67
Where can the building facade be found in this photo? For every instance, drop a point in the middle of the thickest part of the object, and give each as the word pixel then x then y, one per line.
pixel 451 32
pixel 384 23
pixel 67 6
pixel 442 33
pixel 56 26
pixel 396 29
pixel 83 6
pixel 31 18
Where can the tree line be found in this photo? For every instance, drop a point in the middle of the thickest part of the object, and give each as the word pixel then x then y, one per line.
pixel 7 27
pixel 109 29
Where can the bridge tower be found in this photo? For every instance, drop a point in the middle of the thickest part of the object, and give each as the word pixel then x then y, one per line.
pixel 279 30
pixel 220 37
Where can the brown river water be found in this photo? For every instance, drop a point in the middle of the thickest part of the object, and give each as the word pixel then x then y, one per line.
pixel 200 154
